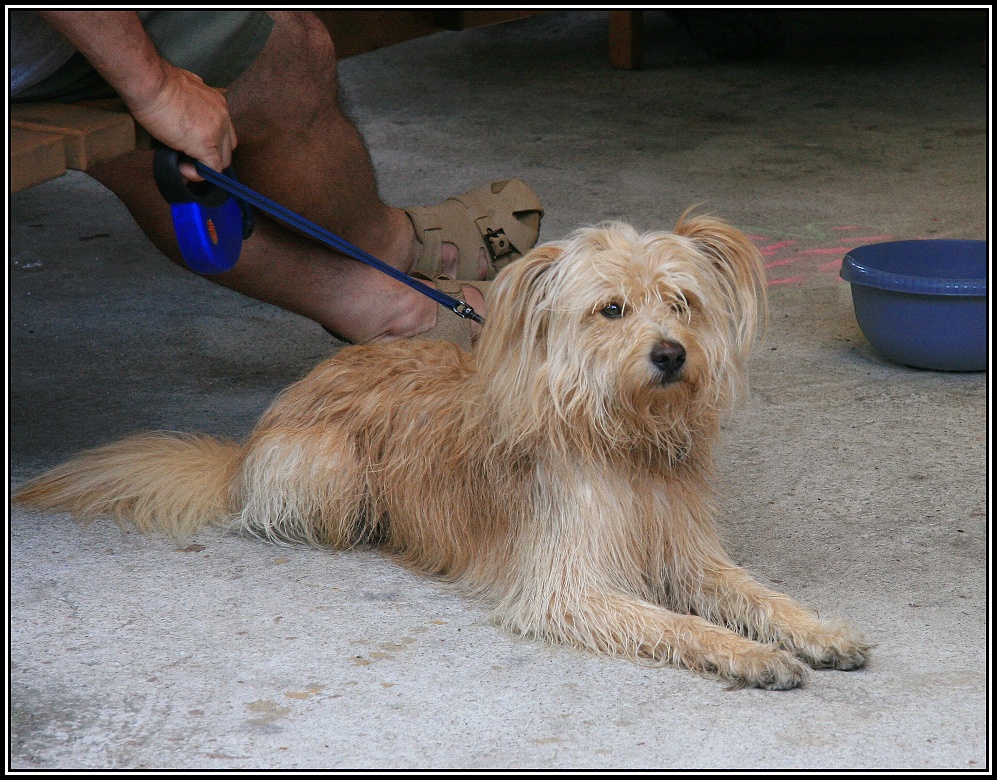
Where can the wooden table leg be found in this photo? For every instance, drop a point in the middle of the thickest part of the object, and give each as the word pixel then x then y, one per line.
pixel 626 39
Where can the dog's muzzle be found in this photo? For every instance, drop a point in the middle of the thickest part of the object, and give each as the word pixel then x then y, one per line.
pixel 668 357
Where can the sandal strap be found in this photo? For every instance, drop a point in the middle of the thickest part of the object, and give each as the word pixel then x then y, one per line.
pixel 490 205
pixel 502 217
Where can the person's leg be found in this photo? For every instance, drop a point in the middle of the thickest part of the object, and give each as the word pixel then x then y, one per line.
pixel 296 146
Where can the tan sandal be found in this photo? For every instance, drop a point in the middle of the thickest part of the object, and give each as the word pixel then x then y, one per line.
pixel 502 217
pixel 450 326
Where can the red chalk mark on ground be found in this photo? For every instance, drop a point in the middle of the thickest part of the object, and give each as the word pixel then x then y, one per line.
pixel 834 265
pixel 834 250
pixel 777 263
pixel 802 252
pixel 771 249
pixel 867 239
pixel 801 279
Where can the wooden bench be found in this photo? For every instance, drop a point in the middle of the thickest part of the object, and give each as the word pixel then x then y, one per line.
pixel 47 139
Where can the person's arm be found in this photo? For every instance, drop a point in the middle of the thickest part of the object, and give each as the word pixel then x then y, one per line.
pixel 174 105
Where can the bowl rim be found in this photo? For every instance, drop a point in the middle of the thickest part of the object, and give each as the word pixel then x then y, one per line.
pixel 855 272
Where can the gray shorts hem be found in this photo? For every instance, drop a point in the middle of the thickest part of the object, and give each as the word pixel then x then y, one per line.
pixel 225 45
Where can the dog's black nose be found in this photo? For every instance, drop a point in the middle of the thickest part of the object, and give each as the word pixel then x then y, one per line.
pixel 668 357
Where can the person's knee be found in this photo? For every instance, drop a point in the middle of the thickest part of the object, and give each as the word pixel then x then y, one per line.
pixel 303 45
pixel 290 83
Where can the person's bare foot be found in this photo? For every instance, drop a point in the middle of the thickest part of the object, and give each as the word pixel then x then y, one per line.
pixel 419 314
pixel 412 313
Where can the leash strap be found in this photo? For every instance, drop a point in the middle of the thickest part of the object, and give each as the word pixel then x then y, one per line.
pixel 331 240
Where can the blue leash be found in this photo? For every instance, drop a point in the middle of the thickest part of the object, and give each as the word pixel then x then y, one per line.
pixel 178 192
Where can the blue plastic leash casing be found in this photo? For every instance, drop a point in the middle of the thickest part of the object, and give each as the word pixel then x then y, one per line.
pixel 210 224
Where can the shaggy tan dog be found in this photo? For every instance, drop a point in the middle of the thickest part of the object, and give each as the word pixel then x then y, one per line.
pixel 562 471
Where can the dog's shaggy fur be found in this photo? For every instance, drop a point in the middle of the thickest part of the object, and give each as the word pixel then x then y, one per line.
pixel 562 471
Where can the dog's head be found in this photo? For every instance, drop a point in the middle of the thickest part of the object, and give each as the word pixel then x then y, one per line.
pixel 622 338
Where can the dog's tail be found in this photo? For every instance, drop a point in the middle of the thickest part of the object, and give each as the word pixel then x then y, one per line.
pixel 169 482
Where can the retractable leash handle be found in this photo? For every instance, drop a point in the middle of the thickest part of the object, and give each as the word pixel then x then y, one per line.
pixel 210 225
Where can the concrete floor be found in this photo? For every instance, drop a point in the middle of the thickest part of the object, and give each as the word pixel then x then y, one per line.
pixel 854 484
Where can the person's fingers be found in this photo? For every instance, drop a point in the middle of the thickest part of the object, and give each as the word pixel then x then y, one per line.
pixel 189 172
pixel 218 158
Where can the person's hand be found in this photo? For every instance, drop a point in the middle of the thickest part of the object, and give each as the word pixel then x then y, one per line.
pixel 187 115
pixel 174 105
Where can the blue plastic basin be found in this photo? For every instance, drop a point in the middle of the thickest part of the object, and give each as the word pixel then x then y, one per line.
pixel 922 303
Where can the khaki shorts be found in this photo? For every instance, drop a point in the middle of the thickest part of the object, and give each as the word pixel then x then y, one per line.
pixel 216 45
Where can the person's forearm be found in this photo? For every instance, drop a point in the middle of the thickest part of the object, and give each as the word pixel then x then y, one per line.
pixel 117 46
pixel 173 104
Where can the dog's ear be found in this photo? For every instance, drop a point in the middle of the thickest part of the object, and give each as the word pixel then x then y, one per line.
pixel 523 275
pixel 519 290
pixel 740 271
pixel 518 309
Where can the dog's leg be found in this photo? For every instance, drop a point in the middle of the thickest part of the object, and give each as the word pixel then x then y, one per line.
pixel 576 576
pixel 730 596
pixel 306 485
pixel 628 627
pixel 694 574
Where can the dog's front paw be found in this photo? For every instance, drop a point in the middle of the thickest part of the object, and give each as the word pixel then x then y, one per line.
pixel 766 667
pixel 833 647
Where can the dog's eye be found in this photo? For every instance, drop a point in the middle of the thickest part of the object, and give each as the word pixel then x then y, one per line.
pixel 612 311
